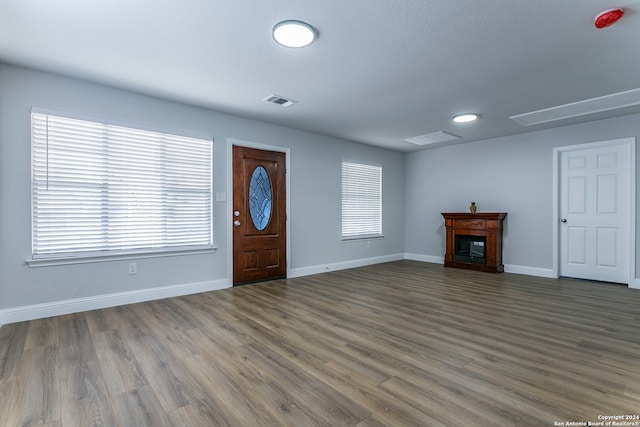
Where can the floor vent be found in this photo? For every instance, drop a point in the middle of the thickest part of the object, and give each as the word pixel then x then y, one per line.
pixel 580 108
pixel 280 100
pixel 432 138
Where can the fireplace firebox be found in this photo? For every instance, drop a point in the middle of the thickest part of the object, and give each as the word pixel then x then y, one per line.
pixel 470 249
pixel 474 241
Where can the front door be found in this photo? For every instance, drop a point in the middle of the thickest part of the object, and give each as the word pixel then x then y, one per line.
pixel 259 215
pixel 595 212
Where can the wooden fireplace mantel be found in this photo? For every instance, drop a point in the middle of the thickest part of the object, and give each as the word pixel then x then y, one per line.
pixel 486 224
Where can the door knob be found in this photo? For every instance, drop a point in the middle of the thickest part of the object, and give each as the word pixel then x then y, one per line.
pixel 236 223
pixel 236 213
pixel 563 220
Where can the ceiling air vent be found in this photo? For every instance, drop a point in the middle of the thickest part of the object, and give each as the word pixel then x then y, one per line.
pixel 280 100
pixel 432 138
pixel 580 108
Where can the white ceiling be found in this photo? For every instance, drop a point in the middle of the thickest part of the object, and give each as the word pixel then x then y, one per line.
pixel 379 72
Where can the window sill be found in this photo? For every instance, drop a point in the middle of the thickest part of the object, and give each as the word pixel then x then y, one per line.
pixel 85 259
pixel 362 237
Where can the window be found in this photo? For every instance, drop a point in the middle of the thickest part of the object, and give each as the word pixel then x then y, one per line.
pixel 101 189
pixel 361 200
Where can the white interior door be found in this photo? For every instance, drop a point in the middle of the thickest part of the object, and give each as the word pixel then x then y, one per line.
pixel 595 212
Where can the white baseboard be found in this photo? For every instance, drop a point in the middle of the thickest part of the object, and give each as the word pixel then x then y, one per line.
pixel 76 305
pixel 56 308
pixel 508 268
pixel 529 271
pixel 325 268
pixel 316 269
pixel 424 258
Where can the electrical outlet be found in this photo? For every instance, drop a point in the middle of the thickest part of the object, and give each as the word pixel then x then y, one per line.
pixel 133 268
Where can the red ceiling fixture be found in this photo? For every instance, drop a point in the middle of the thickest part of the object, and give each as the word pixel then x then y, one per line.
pixel 608 17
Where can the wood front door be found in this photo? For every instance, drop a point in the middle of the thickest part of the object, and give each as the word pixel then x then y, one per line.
pixel 259 215
pixel 595 212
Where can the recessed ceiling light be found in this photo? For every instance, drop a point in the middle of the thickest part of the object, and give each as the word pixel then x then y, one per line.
pixel 464 118
pixel 294 33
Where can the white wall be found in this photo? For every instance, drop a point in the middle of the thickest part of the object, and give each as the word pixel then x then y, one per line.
pixel 315 198
pixel 512 174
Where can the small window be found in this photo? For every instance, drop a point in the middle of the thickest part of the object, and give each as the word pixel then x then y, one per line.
pixel 100 189
pixel 361 200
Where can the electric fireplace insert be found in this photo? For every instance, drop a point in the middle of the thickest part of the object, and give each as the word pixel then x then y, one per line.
pixel 470 249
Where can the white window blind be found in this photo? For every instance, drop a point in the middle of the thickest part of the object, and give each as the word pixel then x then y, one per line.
pixel 361 200
pixel 105 189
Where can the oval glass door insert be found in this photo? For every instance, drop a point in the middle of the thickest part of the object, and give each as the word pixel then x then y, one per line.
pixel 260 195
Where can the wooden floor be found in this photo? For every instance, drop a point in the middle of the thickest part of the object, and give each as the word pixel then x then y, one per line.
pixel 402 343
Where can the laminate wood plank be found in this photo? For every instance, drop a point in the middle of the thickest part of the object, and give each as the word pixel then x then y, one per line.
pixel 400 343
pixel 342 355
pixel 199 413
pixel 632 390
pixel 386 407
pixel 83 396
pixel 39 374
pixel 372 421
pixel 281 339
pixel 41 333
pixel 76 346
pixel 281 406
pixel 127 320
pixel 13 339
pixel 120 369
pixel 464 388
pixel 501 394
pixel 318 327
pixel 98 321
pixel 215 329
pixel 314 398
pixel 391 409
pixel 236 407
pixel 139 407
pixel 442 383
pixel 444 404
pixel 157 325
pixel 247 375
pixel 19 405
pixel 174 386
pixel 11 400
pixel 171 315
pixel 543 401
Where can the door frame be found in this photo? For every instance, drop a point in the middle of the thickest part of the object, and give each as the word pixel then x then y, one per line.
pixel 229 208
pixel 557 152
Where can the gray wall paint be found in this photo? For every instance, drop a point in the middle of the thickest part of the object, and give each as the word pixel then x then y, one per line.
pixel 511 174
pixel 316 200
pixel 315 190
